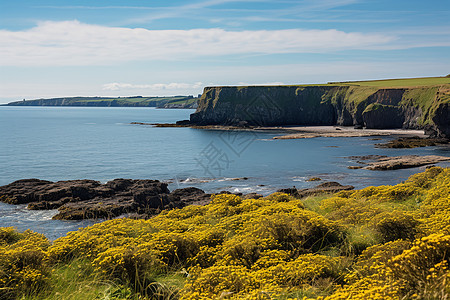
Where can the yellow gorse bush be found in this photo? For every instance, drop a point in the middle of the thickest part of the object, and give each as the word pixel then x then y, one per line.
pixel 22 267
pixel 387 242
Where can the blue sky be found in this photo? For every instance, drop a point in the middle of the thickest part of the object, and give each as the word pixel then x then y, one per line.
pixel 54 48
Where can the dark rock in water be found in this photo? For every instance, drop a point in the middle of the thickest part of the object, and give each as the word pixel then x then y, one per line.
pixel 367 157
pixel 191 195
pixel 183 122
pixel 382 162
pixel 290 191
pixel 252 196
pixel 413 142
pixel 358 126
pixel 89 199
pixel 314 179
pixel 36 190
pixel 326 187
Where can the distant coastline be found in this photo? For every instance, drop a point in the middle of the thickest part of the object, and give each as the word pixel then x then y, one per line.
pixel 134 101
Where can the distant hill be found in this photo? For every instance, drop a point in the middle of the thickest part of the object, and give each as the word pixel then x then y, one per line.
pixel 135 101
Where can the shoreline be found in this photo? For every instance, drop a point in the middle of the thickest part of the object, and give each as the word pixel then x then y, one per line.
pixel 301 132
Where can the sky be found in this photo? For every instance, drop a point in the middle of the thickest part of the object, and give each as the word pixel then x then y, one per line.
pixel 61 48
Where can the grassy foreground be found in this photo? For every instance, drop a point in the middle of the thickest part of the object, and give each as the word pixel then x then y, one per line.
pixel 388 242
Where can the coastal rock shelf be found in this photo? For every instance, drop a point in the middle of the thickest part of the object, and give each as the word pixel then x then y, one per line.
pixel 323 188
pixel 89 199
pixel 377 162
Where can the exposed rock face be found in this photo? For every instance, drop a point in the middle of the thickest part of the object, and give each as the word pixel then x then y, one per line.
pixel 441 120
pixel 383 116
pixel 326 187
pixel 259 106
pixel 88 199
pixel 376 108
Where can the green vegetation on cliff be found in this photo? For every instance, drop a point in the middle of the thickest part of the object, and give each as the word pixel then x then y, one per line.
pixel 403 82
pixel 387 242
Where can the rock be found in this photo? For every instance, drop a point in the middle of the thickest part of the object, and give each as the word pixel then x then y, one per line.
pixel 88 199
pixel 36 190
pixel 379 116
pixel 441 119
pixel 377 162
pixel 183 122
pixel 290 191
pixel 191 195
pixel 367 157
pixel 252 196
pixel 404 162
pixel 314 179
pixel 326 187
pixel 413 142
pixel 354 167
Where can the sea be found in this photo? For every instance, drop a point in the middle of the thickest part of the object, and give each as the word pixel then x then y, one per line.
pixel 101 143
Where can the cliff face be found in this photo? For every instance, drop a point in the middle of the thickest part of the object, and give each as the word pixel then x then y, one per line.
pixel 372 107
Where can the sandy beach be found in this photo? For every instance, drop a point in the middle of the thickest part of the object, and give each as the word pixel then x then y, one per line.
pixel 303 132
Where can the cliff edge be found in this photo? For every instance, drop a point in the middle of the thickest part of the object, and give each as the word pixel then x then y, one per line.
pixel 373 106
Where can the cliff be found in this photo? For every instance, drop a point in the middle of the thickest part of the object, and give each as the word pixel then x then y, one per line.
pixel 377 107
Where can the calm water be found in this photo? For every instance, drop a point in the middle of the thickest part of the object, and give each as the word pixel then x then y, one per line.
pixel 61 143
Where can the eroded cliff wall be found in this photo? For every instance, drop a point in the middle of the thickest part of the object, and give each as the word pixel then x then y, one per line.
pixel 372 107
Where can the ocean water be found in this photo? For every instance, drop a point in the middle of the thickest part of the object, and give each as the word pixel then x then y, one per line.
pixel 62 143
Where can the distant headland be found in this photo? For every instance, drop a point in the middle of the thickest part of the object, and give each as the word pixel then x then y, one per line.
pixel 134 101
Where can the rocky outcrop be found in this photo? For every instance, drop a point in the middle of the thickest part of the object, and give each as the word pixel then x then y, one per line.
pixel 89 199
pixel 323 188
pixel 371 107
pixel 381 116
pixel 381 163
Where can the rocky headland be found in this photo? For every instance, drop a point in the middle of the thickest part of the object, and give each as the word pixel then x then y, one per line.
pixel 372 107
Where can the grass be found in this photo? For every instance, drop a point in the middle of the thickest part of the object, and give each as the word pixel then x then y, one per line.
pixel 77 280
pixel 405 82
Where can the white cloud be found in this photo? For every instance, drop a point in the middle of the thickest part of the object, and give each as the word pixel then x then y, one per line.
pixel 71 43
pixel 115 86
